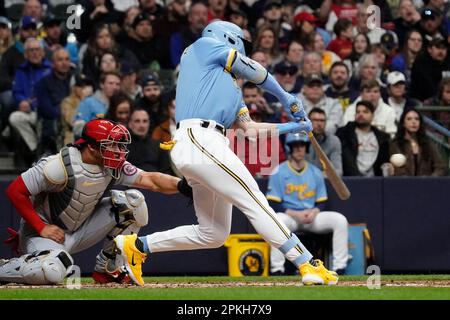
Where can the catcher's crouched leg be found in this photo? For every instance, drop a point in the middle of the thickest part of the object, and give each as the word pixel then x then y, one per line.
pixel 131 213
pixel 38 268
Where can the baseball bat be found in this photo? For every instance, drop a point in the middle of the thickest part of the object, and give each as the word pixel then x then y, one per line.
pixel 336 181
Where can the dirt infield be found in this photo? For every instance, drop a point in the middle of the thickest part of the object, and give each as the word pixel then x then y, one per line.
pixel 172 285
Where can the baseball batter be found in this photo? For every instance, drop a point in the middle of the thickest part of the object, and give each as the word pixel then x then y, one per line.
pixel 209 101
pixel 64 209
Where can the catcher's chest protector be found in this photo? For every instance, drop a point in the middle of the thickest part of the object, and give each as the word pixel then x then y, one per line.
pixel 84 188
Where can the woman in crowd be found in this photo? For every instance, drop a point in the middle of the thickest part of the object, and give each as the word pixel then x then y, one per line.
pixel 403 61
pixel 120 108
pixel 361 45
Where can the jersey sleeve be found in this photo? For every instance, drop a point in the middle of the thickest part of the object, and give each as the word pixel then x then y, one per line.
pixel 275 188
pixel 129 175
pixel 36 180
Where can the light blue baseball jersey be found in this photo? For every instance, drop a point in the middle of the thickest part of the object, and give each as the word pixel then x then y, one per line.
pixel 205 90
pixel 297 190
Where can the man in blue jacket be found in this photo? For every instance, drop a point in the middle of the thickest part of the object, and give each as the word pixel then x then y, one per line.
pixel 29 73
pixel 50 92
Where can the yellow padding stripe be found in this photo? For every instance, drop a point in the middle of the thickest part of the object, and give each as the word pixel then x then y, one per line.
pixel 231 57
pixel 242 183
pixel 242 111
pixel 273 198
pixel 322 199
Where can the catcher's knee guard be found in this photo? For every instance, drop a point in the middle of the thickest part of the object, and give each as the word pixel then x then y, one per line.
pixel 39 267
pixel 131 202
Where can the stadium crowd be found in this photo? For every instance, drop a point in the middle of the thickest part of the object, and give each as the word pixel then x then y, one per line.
pixel 360 75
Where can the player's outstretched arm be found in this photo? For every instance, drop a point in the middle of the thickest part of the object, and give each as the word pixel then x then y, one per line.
pixel 251 70
pixel 251 127
pixel 163 183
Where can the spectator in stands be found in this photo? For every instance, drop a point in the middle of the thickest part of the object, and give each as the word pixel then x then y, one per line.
pixel 312 65
pixel 6 36
pixel 368 69
pixel 286 75
pixel 329 143
pixel 267 42
pixel 408 20
pixel 295 53
pixel 152 100
pixel 442 99
pixel 422 157
pixel 82 88
pixel 152 9
pixel 100 42
pixel 216 9
pixel 55 38
pixel 429 68
pixel 177 13
pixel 96 106
pixel 144 151
pixel 238 7
pixel 383 114
pixel 381 55
pixel 165 131
pixel 360 46
pixel 332 11
pixel 197 18
pixel 328 57
pixel 147 46
pixel 33 8
pixel 313 96
pixel 95 14
pixel 273 16
pixel 372 31
pixel 50 91
pixel 404 60
pixel 431 26
pixel 297 193
pixel 260 57
pixel 397 97
pixel 338 88
pixel 238 17
pixel 120 108
pixel 24 120
pixel 304 24
pixel 127 30
pixel 11 60
pixel 129 83
pixel 342 45
pixel 364 147
pixel 253 97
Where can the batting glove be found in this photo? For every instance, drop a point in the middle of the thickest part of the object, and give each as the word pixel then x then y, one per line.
pixel 293 127
pixel 295 106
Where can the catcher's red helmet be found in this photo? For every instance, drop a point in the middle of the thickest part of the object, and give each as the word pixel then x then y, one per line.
pixel 112 138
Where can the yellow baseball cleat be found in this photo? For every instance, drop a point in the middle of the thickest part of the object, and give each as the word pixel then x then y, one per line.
pixel 317 275
pixel 133 258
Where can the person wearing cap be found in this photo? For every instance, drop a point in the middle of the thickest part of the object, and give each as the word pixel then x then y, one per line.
pixel 313 96
pixel 152 100
pixel 96 106
pixel 286 75
pixel 298 194
pixel 397 97
pixel 82 88
pixel 50 91
pixel 54 38
pixel 146 45
pixel 11 61
pixel 129 83
pixel 432 25
pixel 197 20
pixel 304 24
pixel 429 69
pixel 24 120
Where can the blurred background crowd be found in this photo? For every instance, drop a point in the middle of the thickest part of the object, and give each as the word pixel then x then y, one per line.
pixel 374 75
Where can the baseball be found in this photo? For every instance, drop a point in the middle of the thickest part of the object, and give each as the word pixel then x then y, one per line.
pixel 398 160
